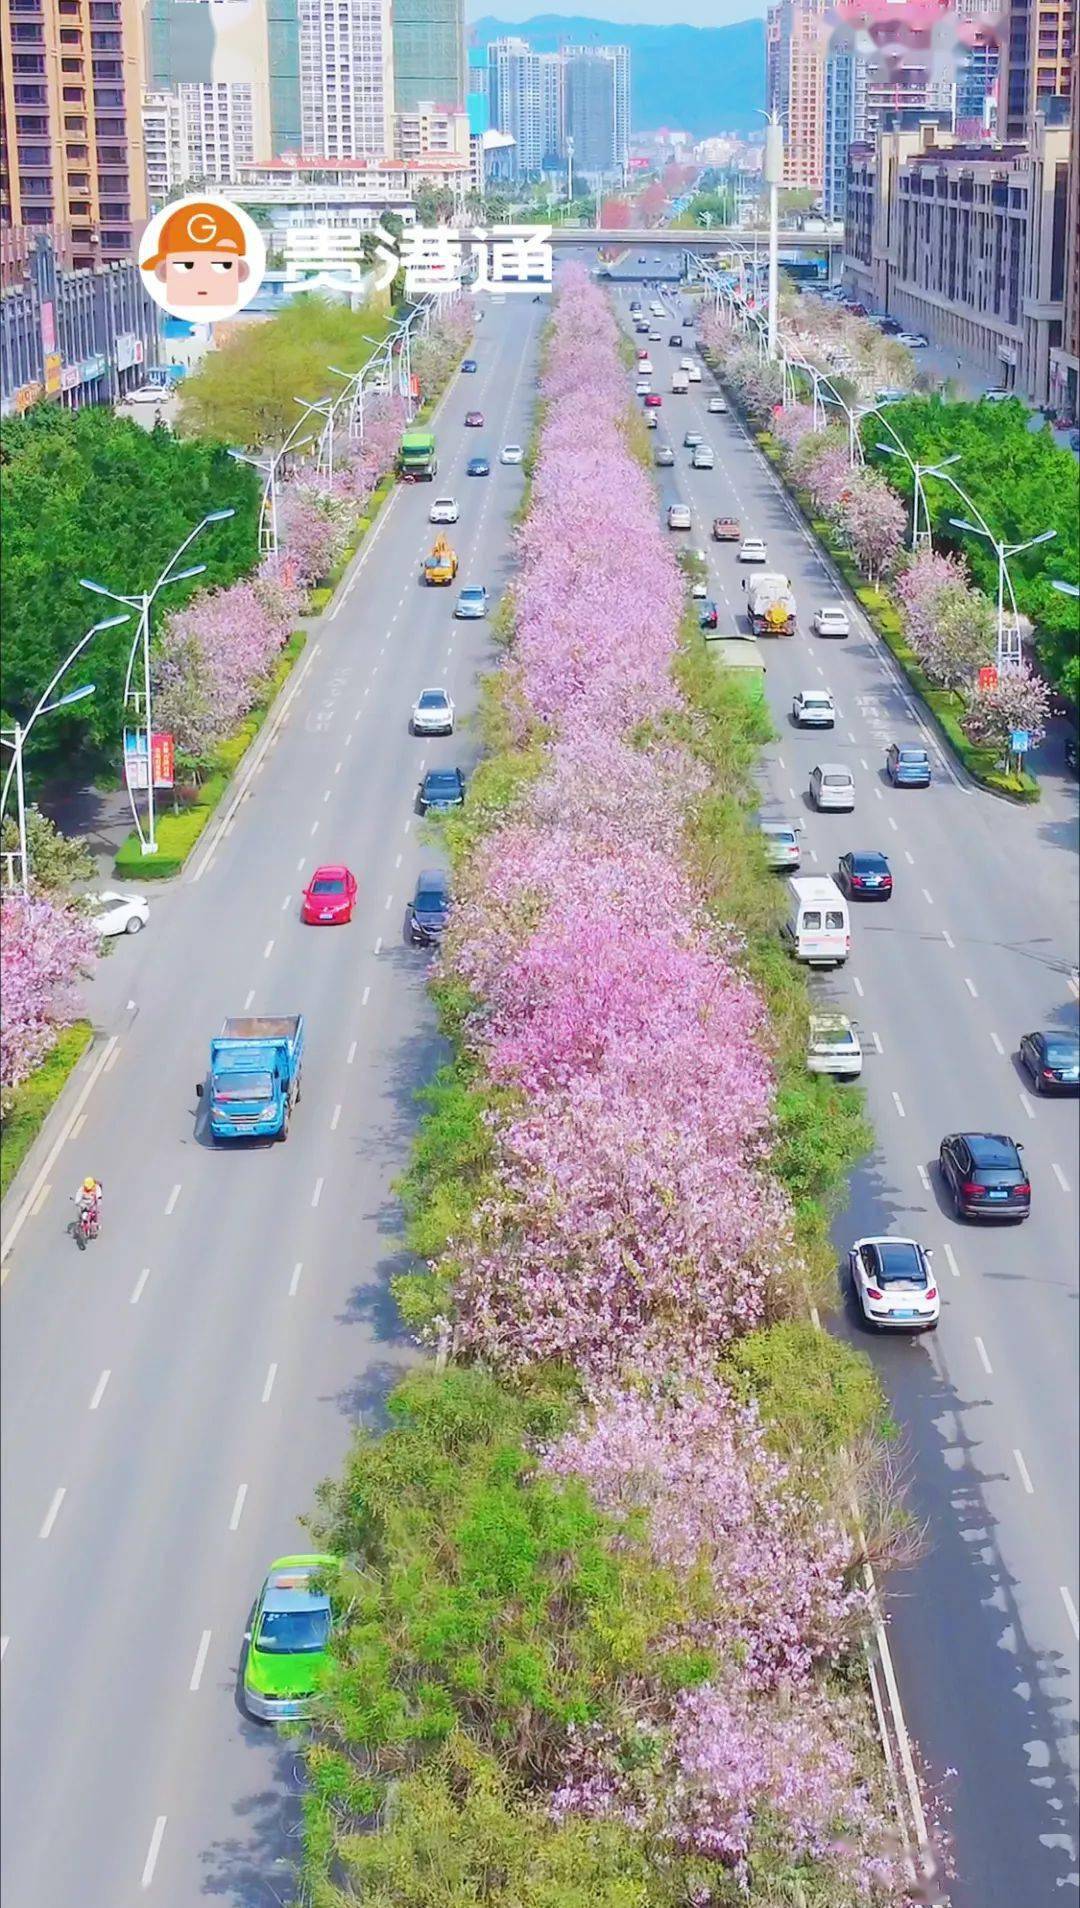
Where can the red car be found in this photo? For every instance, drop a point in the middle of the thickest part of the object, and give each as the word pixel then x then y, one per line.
pixel 474 420
pixel 329 898
pixel 652 400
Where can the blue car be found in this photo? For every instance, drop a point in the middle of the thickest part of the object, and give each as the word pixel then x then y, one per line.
pixel 472 602
pixel 908 766
pixel 469 364
pixel 478 467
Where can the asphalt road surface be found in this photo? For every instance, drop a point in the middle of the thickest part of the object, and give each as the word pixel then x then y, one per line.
pixel 172 1396
pixel 977 946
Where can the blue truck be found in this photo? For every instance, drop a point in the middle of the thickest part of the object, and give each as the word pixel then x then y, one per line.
pixel 254 1076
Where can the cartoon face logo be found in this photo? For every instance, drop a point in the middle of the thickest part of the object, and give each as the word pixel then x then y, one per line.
pixel 203 259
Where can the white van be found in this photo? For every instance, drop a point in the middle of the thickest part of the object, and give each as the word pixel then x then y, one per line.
pixel 818 927
pixel 680 384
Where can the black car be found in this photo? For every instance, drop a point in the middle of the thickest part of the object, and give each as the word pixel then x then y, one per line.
pixel 865 875
pixel 478 467
pixel 441 789
pixel 1053 1061
pixel 985 1175
pixel 430 907
pixel 675 339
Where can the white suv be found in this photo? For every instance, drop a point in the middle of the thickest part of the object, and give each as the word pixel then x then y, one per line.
pixel 678 517
pixel 443 510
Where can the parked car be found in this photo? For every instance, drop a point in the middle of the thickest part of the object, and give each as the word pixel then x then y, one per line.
pixel 832 620
pixel 833 1046
pixel 678 517
pixel 718 406
pixel 832 786
pixel 752 550
pixel 430 908
pixel 1052 1060
pixel 985 1175
pixel 865 875
pixel 432 713
pixel 441 789
pixel 894 1284
pixel 511 454
pixel 783 848
pixel 474 420
pixel 288 1645
pixel 330 897
pixel 146 394
pixel 478 467
pixel 914 340
pixel 112 913
pixel 443 510
pixel 664 456
pixel 472 602
pixel 908 766
pixel 813 709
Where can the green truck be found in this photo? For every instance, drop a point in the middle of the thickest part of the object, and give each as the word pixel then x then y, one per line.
pixel 743 655
pixel 416 460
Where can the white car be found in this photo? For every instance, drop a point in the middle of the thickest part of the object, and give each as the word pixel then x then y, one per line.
pixel 643 387
pixel 832 785
pixel 718 406
pixel 644 365
pixel 511 454
pixel 113 913
pixel 894 1284
pixel 831 620
pixel 686 364
pixel 433 713
pixel 444 510
pixel 693 372
pixel 833 1046
pixel 752 550
pixel 678 517
pixel 702 458
pixel 146 394
pixel 699 590
pixel 783 848
pixel 914 340
pixel 814 709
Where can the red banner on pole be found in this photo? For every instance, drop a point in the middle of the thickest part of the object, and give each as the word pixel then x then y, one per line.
pixel 988 677
pixel 164 753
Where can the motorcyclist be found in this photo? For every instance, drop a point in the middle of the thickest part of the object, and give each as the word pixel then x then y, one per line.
pixel 88 1200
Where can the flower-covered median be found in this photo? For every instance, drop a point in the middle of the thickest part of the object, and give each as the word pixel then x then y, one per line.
pixel 600 1617
pixel 940 629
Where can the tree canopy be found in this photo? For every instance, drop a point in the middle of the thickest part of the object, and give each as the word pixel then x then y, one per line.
pixel 89 494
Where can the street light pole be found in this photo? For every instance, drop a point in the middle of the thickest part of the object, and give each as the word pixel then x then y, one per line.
pixel 1009 653
pixel 919 471
pixel 15 739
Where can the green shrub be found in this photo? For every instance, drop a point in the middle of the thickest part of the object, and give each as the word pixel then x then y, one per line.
pixel 818 1396
pixel 318 598
pixel 26 1107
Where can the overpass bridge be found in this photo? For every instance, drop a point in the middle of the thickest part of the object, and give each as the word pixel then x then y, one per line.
pixel 667 238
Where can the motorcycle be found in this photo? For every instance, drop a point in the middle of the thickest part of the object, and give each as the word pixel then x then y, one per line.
pixel 87 1224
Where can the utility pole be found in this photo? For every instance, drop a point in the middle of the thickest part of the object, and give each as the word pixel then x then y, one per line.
pixel 774 163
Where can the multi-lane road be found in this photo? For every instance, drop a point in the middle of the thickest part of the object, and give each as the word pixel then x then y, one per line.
pixel 171 1398
pixel 977 946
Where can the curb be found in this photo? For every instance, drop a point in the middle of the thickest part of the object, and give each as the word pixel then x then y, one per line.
pixel 87 1071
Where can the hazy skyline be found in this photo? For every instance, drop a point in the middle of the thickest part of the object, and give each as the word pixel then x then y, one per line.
pixel 696 13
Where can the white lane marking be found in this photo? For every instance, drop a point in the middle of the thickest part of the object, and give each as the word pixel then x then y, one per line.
pixel 140 1286
pixel 351 1055
pixel 863 763
pixel 997 1042
pixel 891 821
pixel 294 1282
pixel 389 900
pixel 238 1507
pixel 1074 986
pixel 170 1203
pixel 899 1105
pixel 986 1365
pixel 11 1233
pixel 950 1260
pixel 268 950
pixel 408 824
pixel 78 1126
pixel 1059 1176
pixel 947 938
pixel 99 1390
pixel 40 1200
pixel 1026 1104
pixel 315 824
pixel 971 987
pixel 110 1059
pixel 1025 1474
pixel 153 1851
pixel 857 984
pixel 286 902
pixel 200 1661
pixel 326 797
pixel 317 1194
pixel 909 857
pixel 300 865
pixel 924 1177
pixel 928 897
pixel 1070 1610
pixel 348 740
pixel 397 863
pixel 364 998
pixel 269 1385
pixel 241 789
pixel 378 944
pixel 876 1038
pixel 335 1117
pixel 813 854
pixel 879 794
pixel 337 768
pixel 53 1511
pixel 4 1641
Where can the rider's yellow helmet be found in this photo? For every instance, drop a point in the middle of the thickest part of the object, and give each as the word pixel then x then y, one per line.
pixel 88 1185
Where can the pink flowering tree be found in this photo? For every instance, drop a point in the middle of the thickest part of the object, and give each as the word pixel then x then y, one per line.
pixel 314 525
pixel 212 659
pixel 919 584
pixel 791 424
pixel 871 519
pixel 46 948
pixel 961 638
pixel 1018 700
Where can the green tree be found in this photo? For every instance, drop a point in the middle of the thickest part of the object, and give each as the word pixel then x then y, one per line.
pixel 57 861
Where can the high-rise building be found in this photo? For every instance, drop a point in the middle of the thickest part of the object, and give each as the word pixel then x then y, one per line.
pixel 801 53
pixel 516 103
pixel 346 78
pixel 429 52
pixel 597 83
pixel 235 68
pixel 1036 57
pixel 552 108
pixel 1065 354
pixel 166 153
pixel 845 122
pixel 772 56
pixel 71 141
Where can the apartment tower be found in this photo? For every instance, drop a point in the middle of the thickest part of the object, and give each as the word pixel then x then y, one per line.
pixel 1036 56
pixel 429 53
pixel 346 78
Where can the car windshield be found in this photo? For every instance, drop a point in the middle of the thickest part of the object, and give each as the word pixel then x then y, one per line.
pixel 440 780
pixel 328 884
pixel 430 900
pixel 432 699
pixel 294 1632
pixel 900 1265
pixel 1063 1053
pixel 244 1086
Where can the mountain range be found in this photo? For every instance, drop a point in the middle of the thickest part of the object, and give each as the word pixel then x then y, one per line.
pixel 699 80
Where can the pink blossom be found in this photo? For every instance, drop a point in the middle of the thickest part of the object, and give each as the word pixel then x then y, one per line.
pixel 45 947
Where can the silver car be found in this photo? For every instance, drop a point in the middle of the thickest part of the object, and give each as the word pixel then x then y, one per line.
pixel 783 849
pixel 832 785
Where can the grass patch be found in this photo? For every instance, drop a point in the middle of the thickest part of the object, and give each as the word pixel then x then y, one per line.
pixel 178 830
pixel 27 1106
